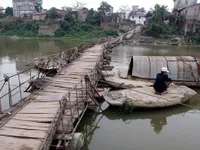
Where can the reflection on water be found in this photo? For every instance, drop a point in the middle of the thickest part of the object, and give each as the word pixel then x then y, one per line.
pixel 16 54
pixel 161 129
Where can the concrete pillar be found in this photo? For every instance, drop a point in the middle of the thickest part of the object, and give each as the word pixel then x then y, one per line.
pixel 194 27
pixel 186 28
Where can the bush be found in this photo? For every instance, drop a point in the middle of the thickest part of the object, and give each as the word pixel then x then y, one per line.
pixel 19 28
pixel 162 29
pixel 196 39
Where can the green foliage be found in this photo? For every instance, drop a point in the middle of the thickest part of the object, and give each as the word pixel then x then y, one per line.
pixel 83 31
pixel 159 13
pixel 93 17
pixel 149 14
pixel 38 7
pixel 104 8
pixel 2 15
pixel 196 39
pixel 9 11
pixel 157 27
pixel 162 30
pixel 52 14
pixel 19 28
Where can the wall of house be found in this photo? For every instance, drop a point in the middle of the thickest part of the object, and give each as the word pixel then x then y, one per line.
pixel 21 7
pixel 82 14
pixel 138 19
pixel 178 4
pixel 192 17
pixel 48 29
pixel 39 17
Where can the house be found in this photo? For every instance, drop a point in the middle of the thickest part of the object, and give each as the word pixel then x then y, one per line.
pixel 45 29
pixel 114 21
pixel 82 14
pixel 23 8
pixel 191 18
pixel 123 15
pixel 59 12
pixel 2 10
pixel 39 16
pixel 138 15
pixel 111 21
pixel 179 4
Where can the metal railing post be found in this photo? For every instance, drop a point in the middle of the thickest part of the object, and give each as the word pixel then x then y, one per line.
pixel 9 93
pixel 70 105
pixel 20 88
pixel 77 100
pixel 0 107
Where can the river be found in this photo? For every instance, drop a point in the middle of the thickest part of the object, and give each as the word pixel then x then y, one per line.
pixel 16 54
pixel 175 128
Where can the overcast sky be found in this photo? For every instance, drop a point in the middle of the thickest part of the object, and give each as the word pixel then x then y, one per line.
pixel 147 4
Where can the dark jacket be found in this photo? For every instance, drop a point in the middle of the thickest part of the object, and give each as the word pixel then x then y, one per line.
pixel 160 83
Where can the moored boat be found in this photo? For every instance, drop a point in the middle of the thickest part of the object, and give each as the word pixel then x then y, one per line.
pixel 146 98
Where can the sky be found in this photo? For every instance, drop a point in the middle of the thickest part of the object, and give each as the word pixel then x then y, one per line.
pixel 147 4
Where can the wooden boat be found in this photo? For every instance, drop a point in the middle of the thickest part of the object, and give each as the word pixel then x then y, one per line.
pixel 42 67
pixel 146 98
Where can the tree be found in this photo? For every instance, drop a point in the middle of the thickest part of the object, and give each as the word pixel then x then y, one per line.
pixel 78 5
pixel 159 13
pixel 52 14
pixel 124 9
pixel 93 17
pixel 9 11
pixel 38 6
pixel 67 9
pixel 104 8
pixel 149 14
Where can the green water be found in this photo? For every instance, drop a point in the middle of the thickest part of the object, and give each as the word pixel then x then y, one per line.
pixel 175 128
pixel 16 54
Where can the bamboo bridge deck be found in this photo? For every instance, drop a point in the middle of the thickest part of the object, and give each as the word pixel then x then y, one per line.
pixel 52 110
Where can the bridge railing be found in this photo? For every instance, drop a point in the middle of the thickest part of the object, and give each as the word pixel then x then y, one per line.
pixel 12 88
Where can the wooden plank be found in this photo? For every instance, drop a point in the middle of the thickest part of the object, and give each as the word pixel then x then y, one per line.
pixel 62 86
pixel 55 90
pixel 21 133
pixel 58 88
pixel 11 143
pixel 34 119
pixel 28 127
pixel 45 93
pixel 39 111
pixel 36 115
pixel 67 80
pixel 46 104
pixel 41 107
pixel 52 98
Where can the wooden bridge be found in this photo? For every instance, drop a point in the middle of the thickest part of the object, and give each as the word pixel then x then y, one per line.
pixel 54 111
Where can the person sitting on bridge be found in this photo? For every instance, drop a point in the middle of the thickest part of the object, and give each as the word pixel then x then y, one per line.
pixel 162 81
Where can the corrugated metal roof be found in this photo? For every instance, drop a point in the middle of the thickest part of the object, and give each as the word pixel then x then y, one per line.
pixel 141 66
pixel 182 68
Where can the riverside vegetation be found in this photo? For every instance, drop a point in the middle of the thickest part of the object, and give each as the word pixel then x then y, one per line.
pixel 158 27
pixel 70 28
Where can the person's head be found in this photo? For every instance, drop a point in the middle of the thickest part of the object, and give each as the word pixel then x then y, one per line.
pixel 164 70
